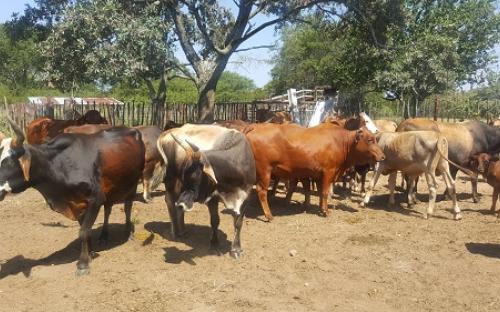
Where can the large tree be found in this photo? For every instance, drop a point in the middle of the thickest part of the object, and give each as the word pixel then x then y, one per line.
pixel 415 47
pixel 440 46
pixel 106 42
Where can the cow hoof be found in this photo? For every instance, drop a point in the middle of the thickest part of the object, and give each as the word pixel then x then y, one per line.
pixel 363 204
pixel 82 271
pixel 458 216
pixel 148 200
pixel 236 254
pixel 269 218
pixel 475 200
pixel 426 216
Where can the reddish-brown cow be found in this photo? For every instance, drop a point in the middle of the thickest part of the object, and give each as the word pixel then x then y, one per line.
pixel 322 153
pixel 489 167
pixel 42 129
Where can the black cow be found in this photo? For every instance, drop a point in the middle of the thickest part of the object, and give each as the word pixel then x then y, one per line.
pixel 77 174
pixel 207 163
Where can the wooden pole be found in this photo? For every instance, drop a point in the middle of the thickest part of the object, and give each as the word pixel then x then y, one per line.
pixel 436 108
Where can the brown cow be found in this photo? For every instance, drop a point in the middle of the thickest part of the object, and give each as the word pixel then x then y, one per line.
pixel 322 153
pixel 153 172
pixel 489 167
pixel 265 115
pixel 43 129
pixel 385 125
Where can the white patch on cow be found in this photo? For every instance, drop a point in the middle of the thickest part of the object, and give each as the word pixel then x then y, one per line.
pixel 5 146
pixel 203 136
pixel 370 125
pixel 234 200
pixel 6 187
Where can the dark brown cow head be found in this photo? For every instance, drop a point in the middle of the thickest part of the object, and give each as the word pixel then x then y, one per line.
pixel 92 117
pixel 192 171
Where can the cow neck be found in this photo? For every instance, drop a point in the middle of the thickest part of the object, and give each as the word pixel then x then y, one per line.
pixel 40 170
pixel 350 148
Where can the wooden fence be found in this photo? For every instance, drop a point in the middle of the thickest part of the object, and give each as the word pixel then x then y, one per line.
pixel 138 113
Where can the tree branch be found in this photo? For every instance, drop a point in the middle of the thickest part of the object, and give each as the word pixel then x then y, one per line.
pixel 295 10
pixel 358 12
pixel 181 31
pixel 269 46
pixel 203 29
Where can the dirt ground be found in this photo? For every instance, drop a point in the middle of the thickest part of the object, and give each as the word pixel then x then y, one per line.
pixel 358 259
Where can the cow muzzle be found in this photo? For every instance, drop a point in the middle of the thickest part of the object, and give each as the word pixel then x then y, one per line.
pixel 4 190
pixel 183 206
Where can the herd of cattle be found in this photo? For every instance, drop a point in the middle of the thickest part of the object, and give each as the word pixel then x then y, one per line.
pixel 80 165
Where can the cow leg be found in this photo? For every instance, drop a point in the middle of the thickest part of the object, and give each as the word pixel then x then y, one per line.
pixel 494 199
pixel 146 185
pixel 325 184
pixel 103 238
pixel 213 208
pixel 176 216
pixel 450 187
pixel 88 219
pixel 129 227
pixel 276 181
pixel 306 184
pixel 392 186
pixel 292 187
pixel 363 181
pixel 475 195
pixel 236 250
pixel 261 189
pixel 372 184
pixel 410 184
pixel 432 184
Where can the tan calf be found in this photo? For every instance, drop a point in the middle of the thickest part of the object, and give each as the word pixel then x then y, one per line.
pixel 415 153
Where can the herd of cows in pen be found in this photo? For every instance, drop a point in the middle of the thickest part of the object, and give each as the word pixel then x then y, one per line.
pixel 82 165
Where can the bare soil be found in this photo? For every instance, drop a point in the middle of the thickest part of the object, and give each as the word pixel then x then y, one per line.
pixel 378 258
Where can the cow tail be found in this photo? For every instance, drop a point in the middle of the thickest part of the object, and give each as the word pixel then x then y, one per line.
pixel 441 140
pixel 161 168
pixel 158 175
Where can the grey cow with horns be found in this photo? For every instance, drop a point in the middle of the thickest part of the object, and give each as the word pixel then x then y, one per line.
pixel 207 164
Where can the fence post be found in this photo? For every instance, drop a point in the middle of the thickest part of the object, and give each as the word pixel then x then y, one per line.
pixel 436 108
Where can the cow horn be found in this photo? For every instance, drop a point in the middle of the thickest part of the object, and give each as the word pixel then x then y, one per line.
pixel 185 146
pixel 196 150
pixel 18 142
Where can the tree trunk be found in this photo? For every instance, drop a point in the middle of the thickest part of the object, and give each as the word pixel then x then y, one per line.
pixel 206 92
pixel 158 99
pixel 206 103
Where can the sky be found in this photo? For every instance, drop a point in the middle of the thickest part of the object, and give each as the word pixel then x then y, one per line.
pixel 254 64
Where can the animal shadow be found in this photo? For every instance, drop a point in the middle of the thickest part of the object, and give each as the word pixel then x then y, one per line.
pixel 278 206
pixel 68 254
pixel 485 249
pixel 196 236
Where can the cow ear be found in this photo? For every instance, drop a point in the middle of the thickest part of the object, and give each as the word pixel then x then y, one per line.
pixel 208 169
pixel 25 162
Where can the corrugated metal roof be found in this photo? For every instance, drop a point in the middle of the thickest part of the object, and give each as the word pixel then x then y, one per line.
pixel 51 101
